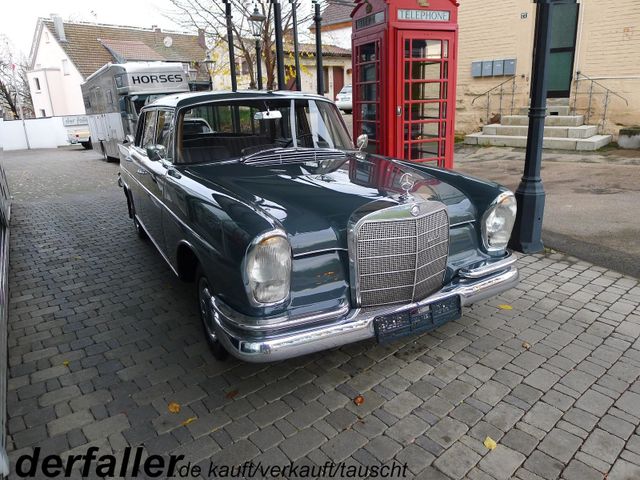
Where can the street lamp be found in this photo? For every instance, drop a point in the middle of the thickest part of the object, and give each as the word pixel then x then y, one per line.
pixel 257 19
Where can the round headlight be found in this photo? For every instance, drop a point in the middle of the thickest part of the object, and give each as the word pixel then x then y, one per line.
pixel 268 270
pixel 498 221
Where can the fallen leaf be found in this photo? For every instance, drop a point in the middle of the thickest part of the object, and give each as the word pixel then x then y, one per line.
pixel 505 307
pixel 232 394
pixel 188 421
pixel 359 400
pixel 526 345
pixel 66 363
pixel 174 407
pixel 490 443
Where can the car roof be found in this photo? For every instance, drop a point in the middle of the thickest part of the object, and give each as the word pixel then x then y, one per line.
pixel 181 100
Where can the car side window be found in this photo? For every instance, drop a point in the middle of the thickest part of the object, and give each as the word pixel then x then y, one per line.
pixel 149 132
pixel 165 132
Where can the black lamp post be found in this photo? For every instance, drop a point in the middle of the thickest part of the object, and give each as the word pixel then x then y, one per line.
pixel 527 231
pixel 296 49
pixel 257 19
pixel 277 20
pixel 232 56
pixel 319 67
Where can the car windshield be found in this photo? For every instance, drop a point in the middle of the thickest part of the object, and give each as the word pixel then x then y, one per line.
pixel 241 128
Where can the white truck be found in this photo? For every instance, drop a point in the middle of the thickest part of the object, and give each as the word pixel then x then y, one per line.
pixel 114 95
pixel 77 127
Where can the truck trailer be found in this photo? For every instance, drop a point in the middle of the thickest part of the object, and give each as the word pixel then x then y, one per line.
pixel 115 93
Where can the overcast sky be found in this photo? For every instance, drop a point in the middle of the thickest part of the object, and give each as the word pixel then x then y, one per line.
pixel 19 17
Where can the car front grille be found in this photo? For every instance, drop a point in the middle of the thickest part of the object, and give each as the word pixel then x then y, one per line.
pixel 401 260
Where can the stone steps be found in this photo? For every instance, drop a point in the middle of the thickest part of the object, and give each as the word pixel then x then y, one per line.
pixel 582 144
pixel 583 131
pixel 552 110
pixel 550 121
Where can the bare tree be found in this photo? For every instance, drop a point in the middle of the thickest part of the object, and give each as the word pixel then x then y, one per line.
pixel 14 85
pixel 210 16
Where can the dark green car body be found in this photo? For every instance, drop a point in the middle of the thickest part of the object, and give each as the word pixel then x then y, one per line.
pixel 207 215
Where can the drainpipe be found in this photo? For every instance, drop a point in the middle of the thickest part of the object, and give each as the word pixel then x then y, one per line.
pixel 277 19
pixel 319 67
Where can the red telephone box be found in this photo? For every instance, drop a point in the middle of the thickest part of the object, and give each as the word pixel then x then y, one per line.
pixel 404 77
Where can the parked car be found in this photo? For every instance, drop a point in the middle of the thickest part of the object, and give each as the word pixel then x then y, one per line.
pixel 296 241
pixel 344 100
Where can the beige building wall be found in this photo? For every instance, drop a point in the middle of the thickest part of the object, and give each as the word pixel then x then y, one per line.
pixel 492 30
pixel 608 50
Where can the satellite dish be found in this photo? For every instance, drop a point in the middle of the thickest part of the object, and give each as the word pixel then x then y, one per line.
pixel 168 41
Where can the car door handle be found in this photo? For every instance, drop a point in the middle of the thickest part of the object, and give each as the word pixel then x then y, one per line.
pixel 142 171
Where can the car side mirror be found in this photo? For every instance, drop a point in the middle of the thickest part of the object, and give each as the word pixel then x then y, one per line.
pixel 128 139
pixel 362 141
pixel 156 152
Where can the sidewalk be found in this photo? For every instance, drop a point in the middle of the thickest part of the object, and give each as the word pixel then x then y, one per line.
pixel 102 338
pixel 592 199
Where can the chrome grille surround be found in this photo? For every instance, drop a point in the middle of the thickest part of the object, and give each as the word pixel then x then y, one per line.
pixel 395 256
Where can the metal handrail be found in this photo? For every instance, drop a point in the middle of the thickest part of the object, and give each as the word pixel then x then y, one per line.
pixel 501 95
pixel 607 92
pixel 512 79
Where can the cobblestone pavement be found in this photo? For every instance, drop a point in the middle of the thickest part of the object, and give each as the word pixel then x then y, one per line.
pixel 102 338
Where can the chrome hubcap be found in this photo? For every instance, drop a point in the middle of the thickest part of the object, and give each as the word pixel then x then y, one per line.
pixel 204 297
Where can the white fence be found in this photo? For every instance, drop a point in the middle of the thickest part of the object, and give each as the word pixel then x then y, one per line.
pixel 41 132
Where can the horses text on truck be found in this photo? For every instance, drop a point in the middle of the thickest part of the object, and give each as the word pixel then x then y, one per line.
pixel 114 95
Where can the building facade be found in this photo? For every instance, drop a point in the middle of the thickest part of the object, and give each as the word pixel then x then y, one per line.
pixel 64 54
pixel 594 66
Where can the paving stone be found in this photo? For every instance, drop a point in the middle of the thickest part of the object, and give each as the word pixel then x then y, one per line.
pixel 542 416
pixel 407 429
pixel 623 470
pixel 603 445
pixel 69 422
pixel 447 431
pixel 630 403
pixel 61 395
pixel 343 445
pixel 402 404
pixel 467 414
pixel 457 461
pixel 576 470
pixel 504 416
pixel 543 465
pixel 383 448
pixel 595 402
pixel 502 462
pixel 560 444
pixel 491 392
pixel 301 443
pixel 520 441
pixel 416 458
pixel 106 427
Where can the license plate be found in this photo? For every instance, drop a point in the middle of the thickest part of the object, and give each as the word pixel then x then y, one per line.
pixel 417 320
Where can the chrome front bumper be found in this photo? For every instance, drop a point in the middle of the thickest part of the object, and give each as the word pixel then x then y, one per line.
pixel 292 337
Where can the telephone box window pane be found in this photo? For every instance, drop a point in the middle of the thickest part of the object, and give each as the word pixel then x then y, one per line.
pixel 368 52
pixel 368 111
pixel 425 150
pixel 369 92
pixel 425 71
pixel 371 129
pixel 426 49
pixel 443 145
pixel 445 49
pixel 443 129
pixel 407 48
pixel 422 91
pixel 425 130
pixel 368 73
pixel 422 111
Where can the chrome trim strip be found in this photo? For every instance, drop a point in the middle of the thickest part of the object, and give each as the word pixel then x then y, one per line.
pixel 238 320
pixel 488 266
pixel 155 244
pixel 355 326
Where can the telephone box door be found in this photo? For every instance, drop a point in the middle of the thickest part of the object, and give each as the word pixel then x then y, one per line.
pixel 425 96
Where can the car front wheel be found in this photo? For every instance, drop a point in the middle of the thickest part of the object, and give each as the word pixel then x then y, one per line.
pixel 206 316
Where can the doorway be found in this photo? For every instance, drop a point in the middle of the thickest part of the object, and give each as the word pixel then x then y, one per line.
pixel 338 81
pixel 424 94
pixel 564 27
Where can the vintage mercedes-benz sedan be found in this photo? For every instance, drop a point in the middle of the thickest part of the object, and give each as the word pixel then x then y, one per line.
pixel 299 242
